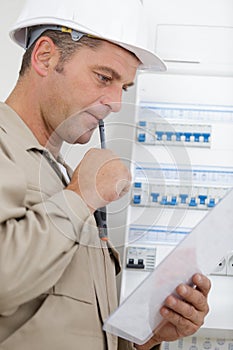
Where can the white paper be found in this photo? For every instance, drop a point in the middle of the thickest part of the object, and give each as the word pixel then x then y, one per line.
pixel 200 251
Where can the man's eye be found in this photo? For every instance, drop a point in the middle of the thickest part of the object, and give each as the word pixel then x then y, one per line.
pixel 104 78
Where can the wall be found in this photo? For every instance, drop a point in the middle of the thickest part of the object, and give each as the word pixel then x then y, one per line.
pixel 10 57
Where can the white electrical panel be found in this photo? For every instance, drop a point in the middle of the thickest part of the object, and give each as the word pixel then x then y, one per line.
pixel 182 154
pixel 182 166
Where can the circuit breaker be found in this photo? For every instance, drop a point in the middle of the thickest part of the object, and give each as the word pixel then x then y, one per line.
pixel 141 258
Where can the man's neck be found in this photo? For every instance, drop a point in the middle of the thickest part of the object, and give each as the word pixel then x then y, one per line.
pixel 24 104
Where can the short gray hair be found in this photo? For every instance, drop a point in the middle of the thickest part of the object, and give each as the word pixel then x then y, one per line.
pixel 65 45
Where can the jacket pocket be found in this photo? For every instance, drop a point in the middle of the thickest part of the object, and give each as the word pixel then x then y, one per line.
pixel 76 282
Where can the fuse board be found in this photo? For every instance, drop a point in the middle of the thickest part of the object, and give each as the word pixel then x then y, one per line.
pixel 182 166
pixel 180 187
pixel 191 135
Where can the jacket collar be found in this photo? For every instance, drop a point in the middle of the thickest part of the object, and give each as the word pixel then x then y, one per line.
pixel 14 126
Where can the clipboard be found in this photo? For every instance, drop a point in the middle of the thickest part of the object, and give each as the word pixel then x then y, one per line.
pixel 138 315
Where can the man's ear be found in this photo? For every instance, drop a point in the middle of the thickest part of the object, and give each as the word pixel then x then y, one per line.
pixel 43 55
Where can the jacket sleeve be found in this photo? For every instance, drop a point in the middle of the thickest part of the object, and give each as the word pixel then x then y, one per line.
pixel 38 242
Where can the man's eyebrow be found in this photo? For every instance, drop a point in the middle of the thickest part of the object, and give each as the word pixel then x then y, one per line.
pixel 113 73
pixel 130 84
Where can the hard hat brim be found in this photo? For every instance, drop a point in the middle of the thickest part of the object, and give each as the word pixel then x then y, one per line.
pixel 149 60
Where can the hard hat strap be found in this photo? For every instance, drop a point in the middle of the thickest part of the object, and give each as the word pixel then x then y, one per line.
pixel 33 33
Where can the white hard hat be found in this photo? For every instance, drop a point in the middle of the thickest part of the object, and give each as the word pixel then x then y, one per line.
pixel 119 21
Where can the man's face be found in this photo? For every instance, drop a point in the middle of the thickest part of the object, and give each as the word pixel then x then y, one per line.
pixel 88 89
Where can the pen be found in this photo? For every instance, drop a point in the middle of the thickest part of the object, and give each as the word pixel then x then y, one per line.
pixel 101 213
pixel 102 133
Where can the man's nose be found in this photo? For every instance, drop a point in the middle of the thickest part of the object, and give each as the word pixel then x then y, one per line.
pixel 113 98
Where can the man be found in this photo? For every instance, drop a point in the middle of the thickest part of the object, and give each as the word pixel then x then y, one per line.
pixel 57 276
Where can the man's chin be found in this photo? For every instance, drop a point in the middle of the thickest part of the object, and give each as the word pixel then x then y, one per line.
pixel 85 138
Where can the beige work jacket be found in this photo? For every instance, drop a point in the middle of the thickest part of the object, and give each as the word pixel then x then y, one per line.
pixel 57 278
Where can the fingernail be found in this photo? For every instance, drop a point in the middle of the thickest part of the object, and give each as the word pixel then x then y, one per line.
pixel 172 301
pixel 164 311
pixel 198 278
pixel 183 289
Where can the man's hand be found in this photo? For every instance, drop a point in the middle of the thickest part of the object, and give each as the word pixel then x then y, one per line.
pixel 183 315
pixel 100 178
